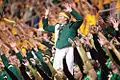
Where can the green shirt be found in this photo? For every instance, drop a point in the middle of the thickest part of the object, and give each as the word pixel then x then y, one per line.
pixel 66 31
pixel 44 66
pixel 115 77
pixel 4 75
pixel 12 68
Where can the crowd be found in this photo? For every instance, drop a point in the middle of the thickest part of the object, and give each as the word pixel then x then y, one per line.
pixel 59 39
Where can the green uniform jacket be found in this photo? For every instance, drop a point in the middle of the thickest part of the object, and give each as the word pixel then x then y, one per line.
pixel 115 77
pixel 44 66
pixel 29 55
pixel 4 75
pixel 66 31
pixel 47 44
pixel 10 67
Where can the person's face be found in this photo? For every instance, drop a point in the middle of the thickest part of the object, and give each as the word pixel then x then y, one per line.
pixel 39 34
pixel 14 60
pixel 45 35
pixel 77 75
pixel 62 19
pixel 31 34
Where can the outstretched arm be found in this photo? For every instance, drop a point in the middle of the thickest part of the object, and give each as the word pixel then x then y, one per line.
pixel 4 59
pixel 18 54
pixel 46 26
pixel 73 12
pixel 77 16
pixel 2 55
pixel 116 24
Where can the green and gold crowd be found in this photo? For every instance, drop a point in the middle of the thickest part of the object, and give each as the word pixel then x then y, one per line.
pixel 27 50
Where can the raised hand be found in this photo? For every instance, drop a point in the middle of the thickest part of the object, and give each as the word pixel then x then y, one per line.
pixel 13 44
pixel 115 41
pixel 114 22
pixel 103 41
pixel 46 13
pixel 25 62
pixel 68 7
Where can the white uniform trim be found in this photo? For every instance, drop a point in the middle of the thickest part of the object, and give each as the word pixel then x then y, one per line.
pixel 56 33
pixel 10 66
pixel 60 54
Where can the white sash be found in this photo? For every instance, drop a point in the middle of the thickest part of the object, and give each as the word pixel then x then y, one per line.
pixel 56 33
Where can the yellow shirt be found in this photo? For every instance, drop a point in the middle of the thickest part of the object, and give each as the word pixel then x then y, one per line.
pixel 30 43
pixel 42 47
pixel 88 20
pixel 53 36
pixel 23 50
pixel 118 6
pixel 19 43
pixel 14 31
pixel 26 42
pixel 24 46
pixel 40 24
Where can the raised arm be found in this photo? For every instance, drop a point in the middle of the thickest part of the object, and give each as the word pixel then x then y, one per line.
pixel 2 55
pixel 116 25
pixel 18 54
pixel 46 26
pixel 4 60
pixel 75 14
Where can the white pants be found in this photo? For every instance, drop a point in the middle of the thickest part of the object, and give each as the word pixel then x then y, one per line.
pixel 59 55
